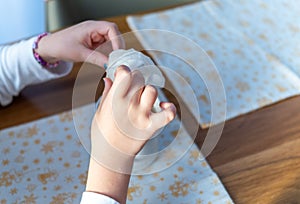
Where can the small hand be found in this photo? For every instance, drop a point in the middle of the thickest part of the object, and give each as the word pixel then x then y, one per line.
pixel 124 116
pixel 77 43
pixel 123 122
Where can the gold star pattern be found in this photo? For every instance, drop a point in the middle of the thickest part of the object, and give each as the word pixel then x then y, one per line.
pixel 43 162
pixel 32 131
pixel 67 165
pixel 29 199
pixel 242 86
pixel 179 188
pixel 47 176
pixel 216 193
pixel 6 150
pixel 82 178
pixel 11 134
pixel 37 141
pixel 49 160
pixel 5 162
pixel 13 191
pixel 7 178
pixel 66 117
pixel 73 196
pixel 162 196
pixel 48 147
pixel 25 167
pixel 204 99
pixel 59 199
pixel 194 154
pixel 133 190
pixel 152 188
pixel 57 187
pixel 31 187
pixel 199 201
pixel 69 179
pixel 69 137
pixel 36 161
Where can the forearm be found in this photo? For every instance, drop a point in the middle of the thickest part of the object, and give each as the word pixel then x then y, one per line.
pixel 108 182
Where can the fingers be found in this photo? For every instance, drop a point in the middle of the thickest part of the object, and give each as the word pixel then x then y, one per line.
pixel 136 88
pixel 117 42
pixel 110 30
pixel 165 116
pixel 148 98
pixel 128 92
pixel 122 82
pixel 99 32
pixel 130 85
pixel 115 36
pixel 96 38
pixel 93 57
pixel 107 87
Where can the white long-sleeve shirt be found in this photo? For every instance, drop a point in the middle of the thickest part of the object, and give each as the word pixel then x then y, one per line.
pixel 95 198
pixel 18 68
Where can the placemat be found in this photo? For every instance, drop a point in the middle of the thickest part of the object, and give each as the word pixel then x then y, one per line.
pixel 253 44
pixel 44 162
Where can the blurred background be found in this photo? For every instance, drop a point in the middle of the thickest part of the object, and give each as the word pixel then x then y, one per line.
pixel 24 18
pixel 20 19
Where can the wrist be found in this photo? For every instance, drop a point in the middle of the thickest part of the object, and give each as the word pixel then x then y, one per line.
pixel 107 182
pixel 40 51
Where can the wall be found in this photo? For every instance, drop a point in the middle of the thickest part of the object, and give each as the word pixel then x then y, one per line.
pixel 62 13
pixel 21 19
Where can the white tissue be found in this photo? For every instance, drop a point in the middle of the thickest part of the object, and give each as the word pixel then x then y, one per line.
pixel 136 61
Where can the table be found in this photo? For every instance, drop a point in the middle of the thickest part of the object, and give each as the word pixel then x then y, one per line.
pixel 257 157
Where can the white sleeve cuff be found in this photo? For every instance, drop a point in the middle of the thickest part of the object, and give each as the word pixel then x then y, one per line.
pixel 19 68
pixel 96 198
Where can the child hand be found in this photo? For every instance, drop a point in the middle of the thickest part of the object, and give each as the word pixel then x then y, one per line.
pixel 122 125
pixel 124 116
pixel 78 42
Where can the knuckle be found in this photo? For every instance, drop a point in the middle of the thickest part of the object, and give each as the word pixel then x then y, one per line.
pixel 113 26
pixel 88 22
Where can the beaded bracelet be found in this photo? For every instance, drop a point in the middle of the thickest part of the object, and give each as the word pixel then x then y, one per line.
pixel 36 55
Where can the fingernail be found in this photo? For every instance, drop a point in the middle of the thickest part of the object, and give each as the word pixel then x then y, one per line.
pixel 123 66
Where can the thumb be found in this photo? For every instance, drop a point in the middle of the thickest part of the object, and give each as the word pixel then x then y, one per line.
pixel 94 57
pixel 107 86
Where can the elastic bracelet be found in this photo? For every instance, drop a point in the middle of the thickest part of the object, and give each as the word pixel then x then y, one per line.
pixel 37 57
